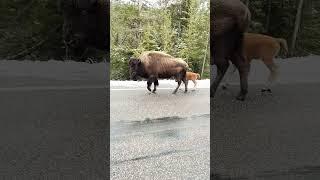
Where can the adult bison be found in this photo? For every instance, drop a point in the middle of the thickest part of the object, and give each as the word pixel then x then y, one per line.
pixel 229 20
pixel 153 65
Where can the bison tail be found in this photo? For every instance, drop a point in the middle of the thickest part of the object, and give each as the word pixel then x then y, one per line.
pixel 283 44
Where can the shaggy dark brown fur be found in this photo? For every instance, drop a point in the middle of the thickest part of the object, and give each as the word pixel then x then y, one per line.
pixel 153 65
pixel 227 14
pixel 229 20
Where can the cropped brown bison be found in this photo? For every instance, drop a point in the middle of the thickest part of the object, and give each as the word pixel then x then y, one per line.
pixel 153 65
pixel 265 48
pixel 229 20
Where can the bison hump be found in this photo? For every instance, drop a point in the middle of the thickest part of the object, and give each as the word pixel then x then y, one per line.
pixel 227 13
pixel 154 55
pixel 160 61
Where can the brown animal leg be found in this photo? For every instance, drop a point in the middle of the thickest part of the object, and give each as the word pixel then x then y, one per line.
pixel 243 68
pixel 225 80
pixel 152 79
pixel 179 83
pixel 185 81
pixel 149 83
pixel 273 68
pixel 195 83
pixel 179 77
pixel 155 84
pixel 221 70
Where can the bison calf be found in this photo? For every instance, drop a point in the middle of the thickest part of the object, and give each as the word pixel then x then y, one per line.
pixel 265 48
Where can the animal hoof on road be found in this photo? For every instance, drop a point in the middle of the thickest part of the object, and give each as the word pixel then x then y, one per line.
pixel 241 97
pixel 149 89
pixel 266 90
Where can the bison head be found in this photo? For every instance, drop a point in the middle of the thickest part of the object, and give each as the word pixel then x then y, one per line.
pixel 135 68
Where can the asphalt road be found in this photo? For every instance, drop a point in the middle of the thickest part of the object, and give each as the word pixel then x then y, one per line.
pixel 269 136
pixel 160 136
pixel 54 126
pixel 53 120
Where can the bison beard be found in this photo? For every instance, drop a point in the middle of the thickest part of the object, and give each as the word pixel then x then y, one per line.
pixel 229 20
pixel 153 65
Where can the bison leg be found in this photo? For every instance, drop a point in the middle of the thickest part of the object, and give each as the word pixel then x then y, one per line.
pixel 179 83
pixel 155 84
pixel 178 78
pixel 225 81
pixel 195 83
pixel 273 68
pixel 149 83
pixel 221 70
pixel 154 80
pixel 243 68
pixel 185 81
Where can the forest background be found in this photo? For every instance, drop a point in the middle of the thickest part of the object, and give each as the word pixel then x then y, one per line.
pixel 33 30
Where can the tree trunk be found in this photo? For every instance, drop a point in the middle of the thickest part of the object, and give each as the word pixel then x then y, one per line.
pixel 296 26
pixel 205 55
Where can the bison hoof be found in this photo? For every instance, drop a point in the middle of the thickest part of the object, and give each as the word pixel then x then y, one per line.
pixel 149 88
pixel 154 92
pixel 266 90
pixel 241 97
